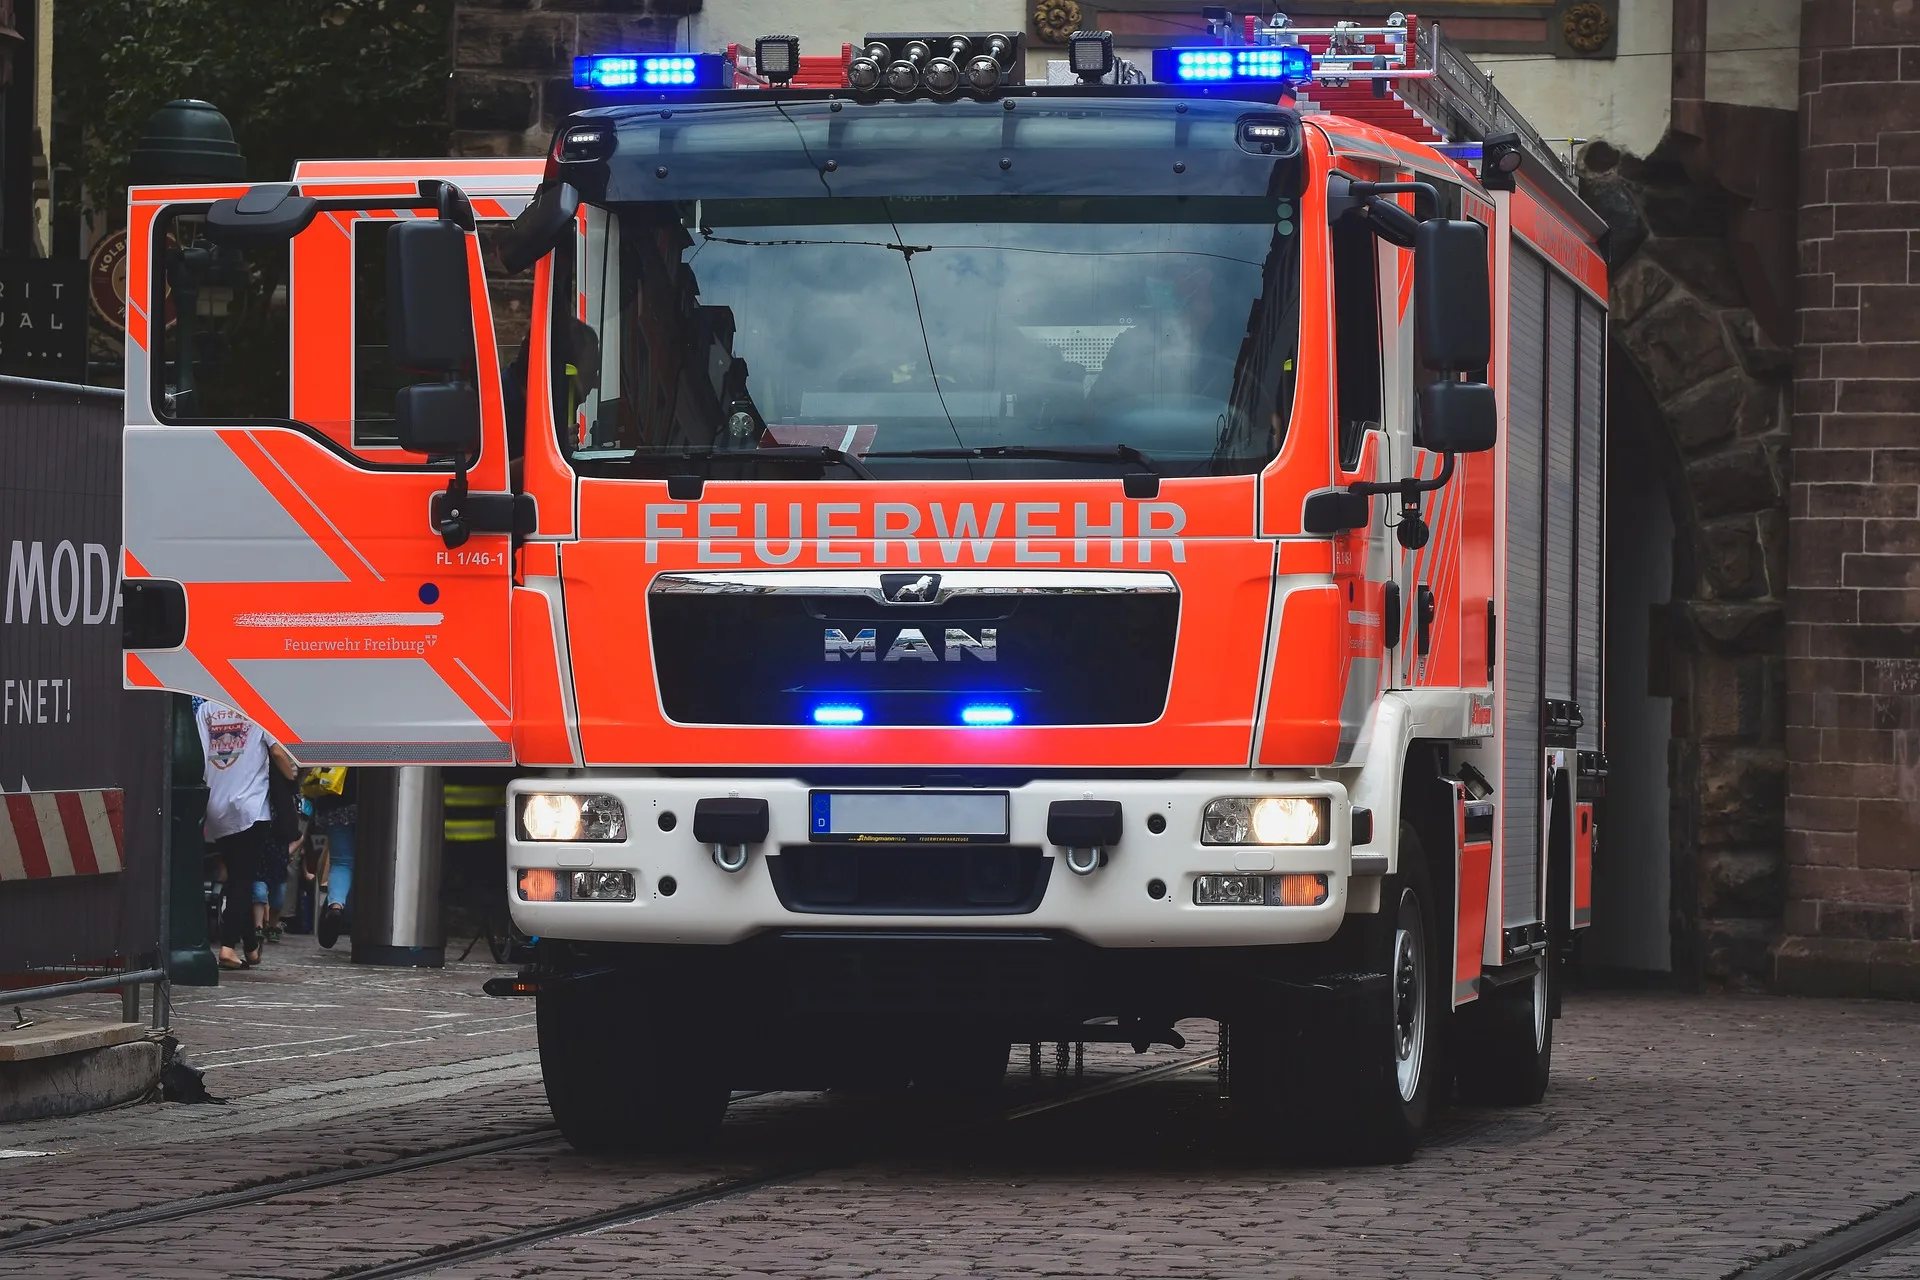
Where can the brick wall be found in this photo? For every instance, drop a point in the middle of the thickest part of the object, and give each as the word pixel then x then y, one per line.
pixel 1853 609
pixel 513 62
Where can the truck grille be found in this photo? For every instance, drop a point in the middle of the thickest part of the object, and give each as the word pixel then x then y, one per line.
pixel 981 648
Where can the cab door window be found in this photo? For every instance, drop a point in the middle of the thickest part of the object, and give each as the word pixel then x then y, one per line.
pixel 224 325
pixel 1356 319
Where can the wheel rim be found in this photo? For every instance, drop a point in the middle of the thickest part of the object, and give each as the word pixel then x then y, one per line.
pixel 1409 1003
pixel 1540 1006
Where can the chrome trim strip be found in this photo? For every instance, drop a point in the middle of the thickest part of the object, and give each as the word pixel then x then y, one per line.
pixel 954 582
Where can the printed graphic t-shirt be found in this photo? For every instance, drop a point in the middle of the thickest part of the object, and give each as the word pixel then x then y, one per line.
pixel 236 753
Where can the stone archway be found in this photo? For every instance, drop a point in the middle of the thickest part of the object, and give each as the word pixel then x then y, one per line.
pixel 1691 358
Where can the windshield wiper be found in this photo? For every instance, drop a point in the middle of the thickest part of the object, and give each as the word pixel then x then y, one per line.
pixel 771 453
pixel 1060 452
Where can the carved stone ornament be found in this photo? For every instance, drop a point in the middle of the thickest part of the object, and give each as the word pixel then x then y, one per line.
pixel 1055 20
pixel 1587 27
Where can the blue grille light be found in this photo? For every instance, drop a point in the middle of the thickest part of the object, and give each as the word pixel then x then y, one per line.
pixel 1290 64
pixel 839 713
pixel 616 71
pixel 986 713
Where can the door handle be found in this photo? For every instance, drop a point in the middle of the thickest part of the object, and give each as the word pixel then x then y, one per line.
pixel 457 515
pixel 1424 605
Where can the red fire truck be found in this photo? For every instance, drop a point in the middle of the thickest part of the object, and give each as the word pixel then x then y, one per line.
pixel 947 561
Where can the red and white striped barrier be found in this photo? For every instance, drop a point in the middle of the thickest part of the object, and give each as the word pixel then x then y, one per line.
pixel 44 834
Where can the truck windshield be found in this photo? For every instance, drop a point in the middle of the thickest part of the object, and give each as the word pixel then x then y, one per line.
pixel 928 337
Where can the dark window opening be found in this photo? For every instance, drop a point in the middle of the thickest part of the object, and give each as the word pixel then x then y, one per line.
pixel 224 340
pixel 375 380
pixel 1356 311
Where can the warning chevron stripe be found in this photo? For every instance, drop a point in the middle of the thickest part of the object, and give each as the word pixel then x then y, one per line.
pixel 46 834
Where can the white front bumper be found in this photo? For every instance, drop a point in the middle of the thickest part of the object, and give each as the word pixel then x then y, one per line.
pixel 1109 908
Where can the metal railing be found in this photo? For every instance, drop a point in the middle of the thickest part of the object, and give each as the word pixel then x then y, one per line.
pixel 128 984
pixel 1462 99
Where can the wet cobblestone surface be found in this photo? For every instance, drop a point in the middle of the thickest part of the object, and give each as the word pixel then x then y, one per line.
pixel 1683 1136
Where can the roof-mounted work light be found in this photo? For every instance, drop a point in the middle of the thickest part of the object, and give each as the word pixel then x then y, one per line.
pixel 986 70
pixel 1090 55
pixel 863 73
pixel 777 58
pixel 942 76
pixel 903 73
pixel 618 72
pixel 1215 64
pixel 1500 157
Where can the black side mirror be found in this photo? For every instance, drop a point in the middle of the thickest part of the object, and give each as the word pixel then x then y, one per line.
pixel 1336 511
pixel 429 297
pixel 438 418
pixel 270 213
pixel 1450 295
pixel 540 226
pixel 1458 417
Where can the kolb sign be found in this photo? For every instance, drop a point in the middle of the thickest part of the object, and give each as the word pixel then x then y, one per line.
pixel 43 319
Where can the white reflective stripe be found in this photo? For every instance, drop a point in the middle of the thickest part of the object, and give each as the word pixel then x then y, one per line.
pixel 11 867
pixel 53 833
pixel 363 700
pixel 414 619
pixel 179 670
pixel 563 657
pixel 483 687
pixel 196 514
pixel 106 850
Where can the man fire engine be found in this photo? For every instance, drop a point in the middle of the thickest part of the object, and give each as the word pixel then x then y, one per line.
pixel 953 561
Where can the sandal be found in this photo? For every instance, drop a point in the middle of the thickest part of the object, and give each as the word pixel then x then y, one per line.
pixel 230 961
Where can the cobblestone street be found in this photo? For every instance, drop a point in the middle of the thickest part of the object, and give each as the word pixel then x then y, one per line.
pixel 1683 1136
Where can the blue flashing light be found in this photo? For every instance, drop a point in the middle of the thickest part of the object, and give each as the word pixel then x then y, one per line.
pixel 839 713
pixel 1219 64
pixel 650 71
pixel 986 713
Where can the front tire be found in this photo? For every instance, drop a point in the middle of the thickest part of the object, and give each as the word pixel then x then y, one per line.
pixel 1354 1079
pixel 613 1081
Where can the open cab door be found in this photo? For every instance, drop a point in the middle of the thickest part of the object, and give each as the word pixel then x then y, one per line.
pixel 319 523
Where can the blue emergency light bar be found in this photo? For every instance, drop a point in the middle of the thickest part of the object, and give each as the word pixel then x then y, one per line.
pixel 625 71
pixel 1221 64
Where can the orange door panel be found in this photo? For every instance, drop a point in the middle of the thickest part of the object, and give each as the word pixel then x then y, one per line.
pixel 321 600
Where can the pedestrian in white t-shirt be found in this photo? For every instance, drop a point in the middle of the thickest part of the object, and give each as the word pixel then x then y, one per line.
pixel 239 823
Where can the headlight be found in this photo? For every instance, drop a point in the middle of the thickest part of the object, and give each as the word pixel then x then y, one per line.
pixel 546 815
pixel 1265 820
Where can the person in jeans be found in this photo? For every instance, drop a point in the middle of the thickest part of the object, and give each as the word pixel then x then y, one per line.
pixel 239 822
pixel 334 817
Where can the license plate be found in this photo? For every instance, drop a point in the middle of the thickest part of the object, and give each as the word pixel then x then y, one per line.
pixel 909 817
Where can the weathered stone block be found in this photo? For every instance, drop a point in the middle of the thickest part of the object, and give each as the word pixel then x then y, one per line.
pixel 513 43
pixel 1611 199
pixel 1735 480
pixel 1895 970
pixel 1678 344
pixel 1805 966
pixel 620 34
pixel 1634 290
pixel 1742 883
pixel 1752 628
pixel 1876 923
pixel 483 101
pixel 1732 560
pixel 1891 313
pixel 1702 263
